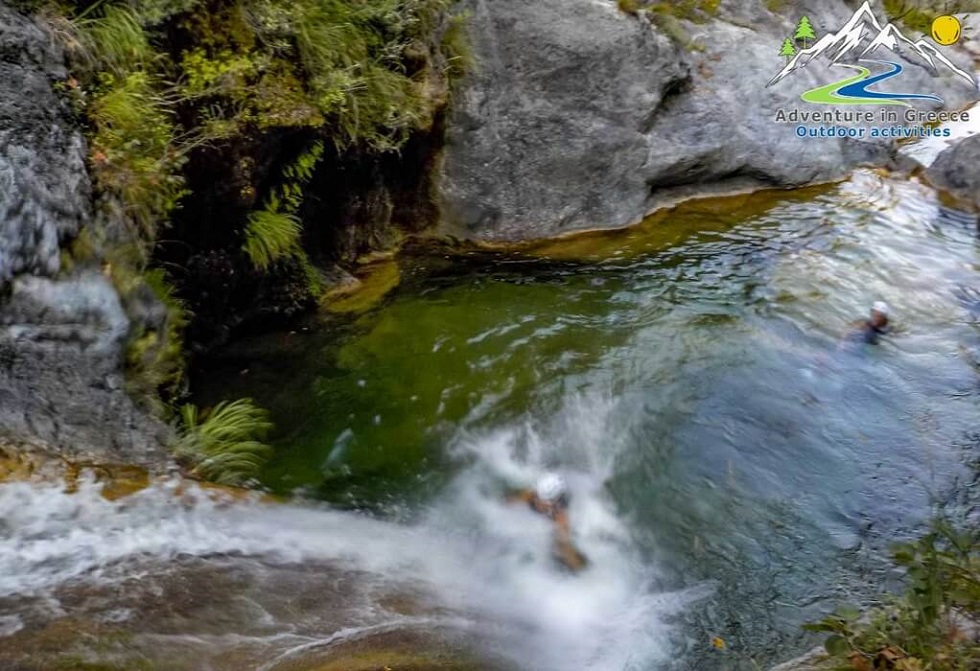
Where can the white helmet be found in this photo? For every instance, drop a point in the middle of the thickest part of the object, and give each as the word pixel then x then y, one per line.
pixel 880 306
pixel 551 487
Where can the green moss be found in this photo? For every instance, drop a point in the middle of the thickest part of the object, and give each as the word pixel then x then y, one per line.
pixel 375 281
pixel 671 26
pixel 158 80
pixel 697 11
pixel 155 362
pixel 456 47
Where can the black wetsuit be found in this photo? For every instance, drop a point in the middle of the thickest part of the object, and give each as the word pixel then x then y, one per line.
pixel 870 333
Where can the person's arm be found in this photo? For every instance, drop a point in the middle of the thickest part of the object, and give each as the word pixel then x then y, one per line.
pixel 522 496
pixel 562 527
pixel 565 550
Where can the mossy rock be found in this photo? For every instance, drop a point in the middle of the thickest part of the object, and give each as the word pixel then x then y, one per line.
pixel 375 279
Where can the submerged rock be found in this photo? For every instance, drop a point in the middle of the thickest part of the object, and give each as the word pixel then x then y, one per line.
pixel 61 337
pixel 579 115
pixel 957 170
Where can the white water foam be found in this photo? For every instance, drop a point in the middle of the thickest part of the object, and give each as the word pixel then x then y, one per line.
pixel 485 560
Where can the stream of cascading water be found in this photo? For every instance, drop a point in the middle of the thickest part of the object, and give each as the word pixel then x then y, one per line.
pixel 486 563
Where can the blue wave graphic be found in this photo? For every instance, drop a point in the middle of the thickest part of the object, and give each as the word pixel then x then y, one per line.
pixel 860 89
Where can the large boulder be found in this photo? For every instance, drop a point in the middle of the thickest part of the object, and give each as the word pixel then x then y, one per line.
pixel 957 170
pixel 578 115
pixel 62 337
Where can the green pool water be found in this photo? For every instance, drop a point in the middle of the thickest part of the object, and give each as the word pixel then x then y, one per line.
pixel 690 378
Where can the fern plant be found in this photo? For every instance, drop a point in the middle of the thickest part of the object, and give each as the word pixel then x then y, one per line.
pixel 226 444
pixel 273 233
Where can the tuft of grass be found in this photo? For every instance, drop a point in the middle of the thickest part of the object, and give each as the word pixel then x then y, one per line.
pixel 225 444
pixel 134 154
pixel 456 47
pixel 271 235
pixel 114 41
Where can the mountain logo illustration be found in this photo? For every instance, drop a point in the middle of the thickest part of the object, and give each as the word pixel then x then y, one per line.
pixel 863 39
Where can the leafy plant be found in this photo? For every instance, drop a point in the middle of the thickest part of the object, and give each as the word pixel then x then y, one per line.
pixel 273 233
pixel 629 6
pixel 225 444
pixel 114 41
pixel 155 80
pixel 354 56
pixel 922 628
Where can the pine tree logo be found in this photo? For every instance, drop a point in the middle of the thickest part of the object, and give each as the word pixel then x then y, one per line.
pixel 804 31
pixel 788 50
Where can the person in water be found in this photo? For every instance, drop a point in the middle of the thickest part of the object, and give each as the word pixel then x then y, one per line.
pixel 869 330
pixel 550 497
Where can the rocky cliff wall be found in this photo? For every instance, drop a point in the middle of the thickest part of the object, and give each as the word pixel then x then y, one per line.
pixel 578 115
pixel 61 334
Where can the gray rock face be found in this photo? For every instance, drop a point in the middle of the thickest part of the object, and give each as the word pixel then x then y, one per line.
pixel 61 339
pixel 580 116
pixel 44 188
pixel 61 385
pixel 559 103
pixel 957 170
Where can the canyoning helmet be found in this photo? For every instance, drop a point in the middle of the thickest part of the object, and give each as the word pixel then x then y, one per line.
pixel 552 488
pixel 880 306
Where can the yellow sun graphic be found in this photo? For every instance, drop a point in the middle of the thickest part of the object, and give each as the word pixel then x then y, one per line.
pixel 946 30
